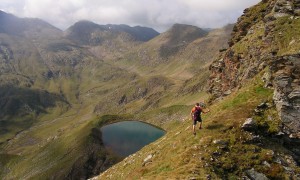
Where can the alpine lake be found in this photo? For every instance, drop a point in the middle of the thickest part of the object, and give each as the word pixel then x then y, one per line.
pixel 127 137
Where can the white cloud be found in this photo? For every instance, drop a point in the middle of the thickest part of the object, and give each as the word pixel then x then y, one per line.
pixel 217 5
pixel 159 14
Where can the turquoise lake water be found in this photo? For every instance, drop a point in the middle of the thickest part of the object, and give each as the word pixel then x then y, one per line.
pixel 127 137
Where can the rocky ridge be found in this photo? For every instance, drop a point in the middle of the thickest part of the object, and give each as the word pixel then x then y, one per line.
pixel 266 40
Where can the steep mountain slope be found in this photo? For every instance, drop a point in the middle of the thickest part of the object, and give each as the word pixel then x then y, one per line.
pixel 252 131
pixel 222 150
pixel 271 43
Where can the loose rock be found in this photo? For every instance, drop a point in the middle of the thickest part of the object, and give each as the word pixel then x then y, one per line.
pixel 254 175
pixel 249 125
pixel 147 159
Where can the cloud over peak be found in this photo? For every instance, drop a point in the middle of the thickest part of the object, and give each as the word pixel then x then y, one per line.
pixel 158 14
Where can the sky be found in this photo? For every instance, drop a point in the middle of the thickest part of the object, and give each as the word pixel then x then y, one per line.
pixel 157 14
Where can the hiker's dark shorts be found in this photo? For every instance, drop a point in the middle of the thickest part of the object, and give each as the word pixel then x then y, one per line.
pixel 198 119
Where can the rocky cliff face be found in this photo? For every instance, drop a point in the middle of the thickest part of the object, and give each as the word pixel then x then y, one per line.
pixel 286 75
pixel 266 38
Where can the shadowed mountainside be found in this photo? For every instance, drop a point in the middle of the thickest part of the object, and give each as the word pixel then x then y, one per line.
pixel 89 33
pixel 26 27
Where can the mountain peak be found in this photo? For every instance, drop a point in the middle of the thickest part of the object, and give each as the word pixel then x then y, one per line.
pixel 179 36
pixel 14 25
pixel 84 24
pixel 2 13
pixel 88 32
pixel 185 33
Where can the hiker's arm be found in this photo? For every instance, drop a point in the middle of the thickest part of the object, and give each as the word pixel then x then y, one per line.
pixel 206 111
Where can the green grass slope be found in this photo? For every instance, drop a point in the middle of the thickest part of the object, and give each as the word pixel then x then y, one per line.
pixel 221 150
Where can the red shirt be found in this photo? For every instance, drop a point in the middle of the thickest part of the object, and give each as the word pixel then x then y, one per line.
pixel 194 109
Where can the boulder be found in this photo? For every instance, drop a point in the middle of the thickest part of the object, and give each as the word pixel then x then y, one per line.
pixel 267 79
pixel 220 142
pixel 249 125
pixel 228 92
pixel 147 159
pixel 254 175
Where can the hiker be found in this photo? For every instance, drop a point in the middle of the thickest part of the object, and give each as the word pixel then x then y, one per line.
pixel 196 116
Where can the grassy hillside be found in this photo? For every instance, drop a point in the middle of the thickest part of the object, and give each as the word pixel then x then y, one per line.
pixel 221 150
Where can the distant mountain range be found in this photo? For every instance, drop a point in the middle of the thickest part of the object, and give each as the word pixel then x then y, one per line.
pixel 89 33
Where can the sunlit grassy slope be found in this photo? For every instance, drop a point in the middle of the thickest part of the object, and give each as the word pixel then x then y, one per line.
pixel 221 150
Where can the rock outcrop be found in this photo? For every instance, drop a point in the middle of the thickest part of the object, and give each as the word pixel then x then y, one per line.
pixel 265 38
pixel 252 174
pixel 286 74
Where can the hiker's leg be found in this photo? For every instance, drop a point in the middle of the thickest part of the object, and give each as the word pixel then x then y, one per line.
pixel 194 126
pixel 200 123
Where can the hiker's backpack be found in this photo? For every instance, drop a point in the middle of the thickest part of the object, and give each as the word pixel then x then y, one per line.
pixel 197 113
pixel 202 104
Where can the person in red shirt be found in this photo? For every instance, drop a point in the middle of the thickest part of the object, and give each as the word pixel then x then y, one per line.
pixel 196 116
